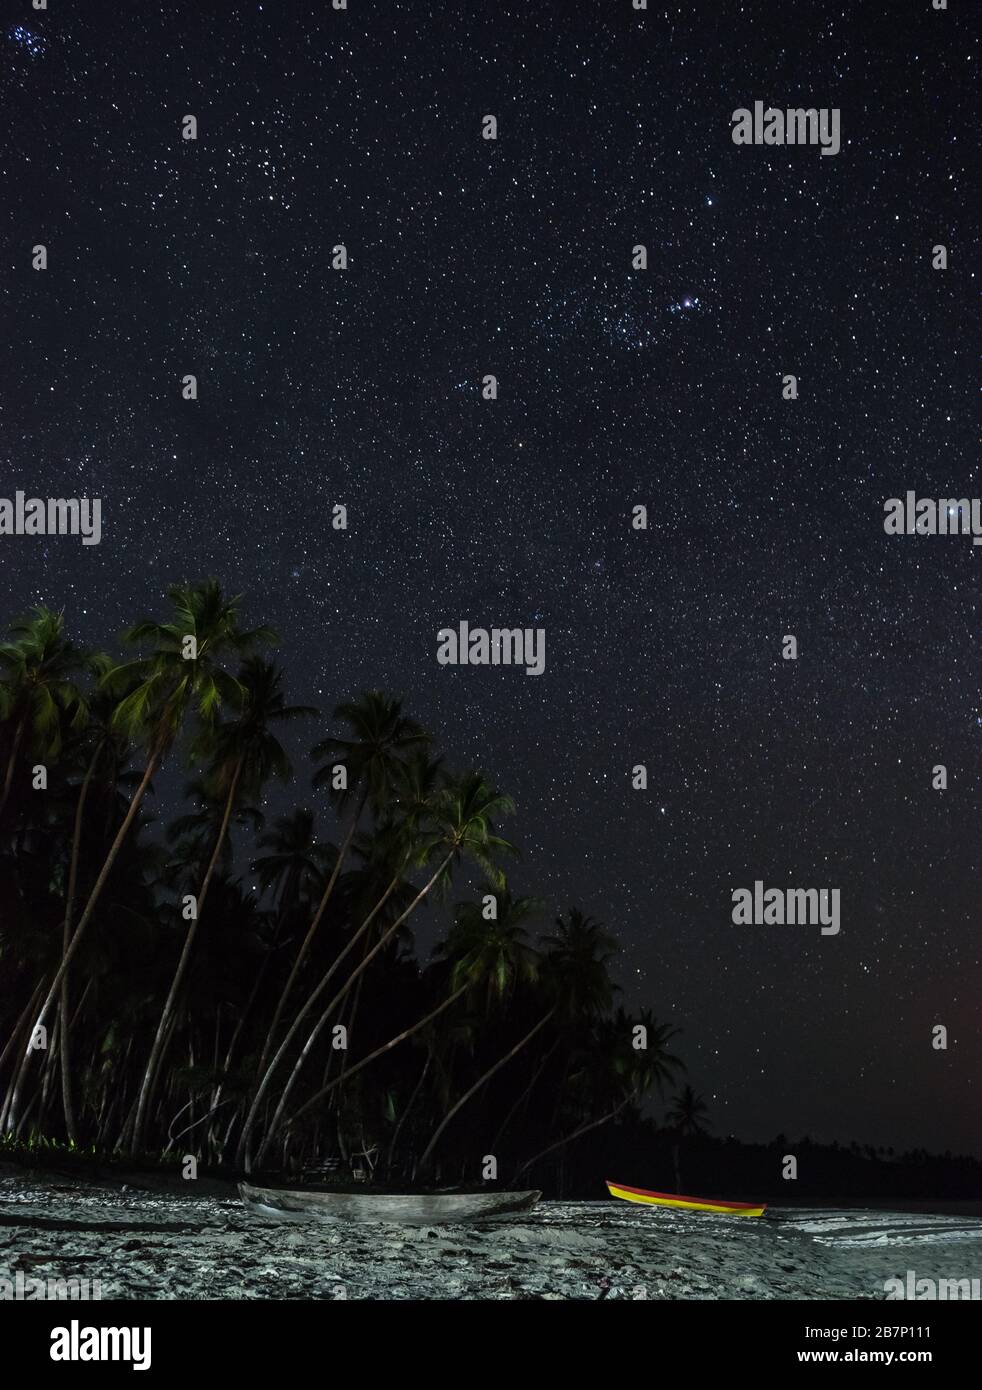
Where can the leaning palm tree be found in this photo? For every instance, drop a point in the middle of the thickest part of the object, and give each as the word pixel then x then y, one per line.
pixel 419 1026
pixel 107 754
pixel 580 949
pixel 495 959
pixel 488 957
pixel 687 1117
pixel 621 1071
pixel 293 865
pixel 38 689
pixel 245 753
pixel 382 737
pixel 183 671
pixel 577 985
pixel 492 956
pixel 454 823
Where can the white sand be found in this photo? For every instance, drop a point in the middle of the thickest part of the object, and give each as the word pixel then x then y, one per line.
pixel 570 1250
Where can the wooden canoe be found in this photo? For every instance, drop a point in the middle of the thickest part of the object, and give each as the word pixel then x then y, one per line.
pixel 409 1208
pixel 670 1199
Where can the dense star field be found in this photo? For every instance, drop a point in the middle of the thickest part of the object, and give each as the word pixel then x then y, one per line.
pixel 616 388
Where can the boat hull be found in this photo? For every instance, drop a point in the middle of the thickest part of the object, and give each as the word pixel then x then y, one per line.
pixel 669 1199
pixel 411 1208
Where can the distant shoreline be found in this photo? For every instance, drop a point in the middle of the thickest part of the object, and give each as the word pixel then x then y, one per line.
pixel 161 1181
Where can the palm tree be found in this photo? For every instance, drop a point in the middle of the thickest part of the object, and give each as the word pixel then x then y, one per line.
pixel 492 956
pixel 577 978
pixel 427 1043
pixel 616 1068
pixel 488 956
pixel 581 949
pixel 687 1118
pixel 38 689
pixel 454 823
pixel 579 953
pixel 493 959
pixel 385 1047
pixel 108 750
pixel 192 836
pixel 294 860
pixel 382 738
pixel 295 865
pixel 183 671
pixel 245 753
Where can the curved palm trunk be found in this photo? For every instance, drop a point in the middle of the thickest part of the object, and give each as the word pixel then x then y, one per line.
pixel 242 1155
pixel 64 1064
pixel 311 932
pixel 167 1015
pixel 9 1114
pixel 216 1098
pixel 187 1128
pixel 386 1047
pixel 482 1081
pixel 524 1096
pixel 250 1004
pixel 353 1014
pixel 244 1017
pixel 109 1105
pixel 409 1105
pixel 342 993
pixel 22 1124
pixel 66 938
pixel 349 1025
pixel 12 1044
pixel 22 1018
pixel 568 1138
pixel 124 1143
pixel 153 763
pixel 48 1073
pixel 12 762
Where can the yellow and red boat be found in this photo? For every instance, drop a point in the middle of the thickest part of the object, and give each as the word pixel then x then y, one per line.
pixel 671 1199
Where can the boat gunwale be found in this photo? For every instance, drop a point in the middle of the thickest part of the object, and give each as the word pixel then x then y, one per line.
pixel 678 1198
pixel 410 1205
pixel 370 1190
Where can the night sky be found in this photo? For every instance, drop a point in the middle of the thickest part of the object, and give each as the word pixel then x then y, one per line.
pixel 616 388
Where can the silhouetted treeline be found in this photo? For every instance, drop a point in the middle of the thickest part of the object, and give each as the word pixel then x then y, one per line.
pixel 249 991
pixel 639 1152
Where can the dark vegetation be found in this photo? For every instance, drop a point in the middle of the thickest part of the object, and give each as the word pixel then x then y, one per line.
pixel 249 991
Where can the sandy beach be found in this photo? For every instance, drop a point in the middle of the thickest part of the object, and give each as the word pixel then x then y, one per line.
pixel 186 1245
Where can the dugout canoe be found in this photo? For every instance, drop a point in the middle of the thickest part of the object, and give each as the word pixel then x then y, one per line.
pixel 672 1199
pixel 400 1208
